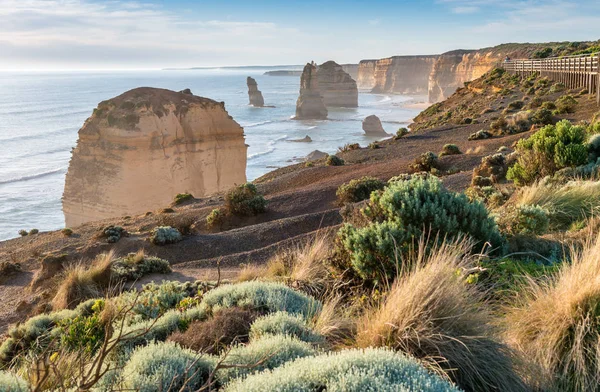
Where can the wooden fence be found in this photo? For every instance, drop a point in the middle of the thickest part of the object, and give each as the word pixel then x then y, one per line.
pixel 573 71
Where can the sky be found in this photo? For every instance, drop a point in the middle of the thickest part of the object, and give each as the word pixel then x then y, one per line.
pixel 155 34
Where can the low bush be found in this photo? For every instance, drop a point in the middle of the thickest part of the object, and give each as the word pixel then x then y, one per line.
pixel 181 198
pixel 334 160
pixel 549 105
pixel 267 352
pixel 349 147
pixel 33 231
pixel 425 162
pixel 23 233
pixel 551 148
pixel 164 235
pixel 556 323
pixel 284 323
pixel 401 133
pixel 532 220
pixel 499 126
pixel 210 336
pixel 374 146
pixel 542 116
pixel 450 149
pixel 113 233
pixel 135 265
pixel 566 104
pixel 516 105
pixel 479 135
pixel 10 382
pixel 263 297
pixel 67 232
pixel 166 367
pixel 83 333
pixel 215 218
pixel 434 314
pixel 404 210
pixel 557 88
pixel 349 370
pixel 245 200
pixel 358 190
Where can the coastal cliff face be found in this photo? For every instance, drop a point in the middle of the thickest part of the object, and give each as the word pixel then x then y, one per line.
pixel 366 74
pixel 310 104
pixel 254 95
pixel 403 74
pixel 138 150
pixel 337 88
pixel 453 69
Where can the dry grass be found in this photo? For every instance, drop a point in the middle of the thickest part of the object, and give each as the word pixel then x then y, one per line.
pixel 82 282
pixel 557 323
pixel 577 200
pixel 432 314
pixel 477 150
pixel 334 322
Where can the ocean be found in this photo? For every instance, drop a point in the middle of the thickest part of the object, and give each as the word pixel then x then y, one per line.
pixel 40 114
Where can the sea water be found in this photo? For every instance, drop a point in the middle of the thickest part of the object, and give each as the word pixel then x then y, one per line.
pixel 40 114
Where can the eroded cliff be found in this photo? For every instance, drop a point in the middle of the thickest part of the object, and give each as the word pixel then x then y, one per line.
pixel 310 105
pixel 143 147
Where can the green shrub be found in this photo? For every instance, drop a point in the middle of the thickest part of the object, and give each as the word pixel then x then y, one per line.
pixel 245 200
pixel 535 102
pixel 566 104
pixel 594 147
pixel 67 232
pixel 499 126
pixel 532 220
pixel 358 190
pixel 349 147
pixel 83 332
pixel 267 352
pixel 401 213
pixel 542 117
pixel 33 231
pixel 166 367
pixel 23 233
pixel 401 133
pixel 516 105
pixel 425 162
pixel 182 198
pixel 548 150
pixel 542 53
pixel 215 218
pixel 334 160
pixel 135 265
pixel 548 105
pixel 556 88
pixel 10 382
pixel 284 323
pixel 350 371
pixel 155 299
pixel 164 235
pixel 450 149
pixel 113 233
pixel 262 296
pixel 479 135
pixel 374 146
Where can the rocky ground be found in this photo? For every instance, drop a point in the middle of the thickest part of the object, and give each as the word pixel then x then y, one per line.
pixel 301 200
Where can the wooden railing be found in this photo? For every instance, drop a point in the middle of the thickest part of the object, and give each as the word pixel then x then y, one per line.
pixel 573 71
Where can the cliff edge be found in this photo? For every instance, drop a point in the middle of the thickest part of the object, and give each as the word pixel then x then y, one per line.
pixel 143 147
pixel 337 87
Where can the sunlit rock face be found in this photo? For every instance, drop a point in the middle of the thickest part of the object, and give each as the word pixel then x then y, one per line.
pixel 254 95
pixel 337 87
pixel 403 74
pixel 138 150
pixel 366 74
pixel 310 105
pixel 372 126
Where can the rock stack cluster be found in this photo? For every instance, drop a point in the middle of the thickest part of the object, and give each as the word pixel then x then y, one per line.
pixel 310 105
pixel 254 94
pixel 337 87
pixel 140 149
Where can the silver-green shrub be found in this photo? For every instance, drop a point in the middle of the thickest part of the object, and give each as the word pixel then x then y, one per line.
pixel 263 296
pixel 267 352
pixel 283 323
pixel 163 235
pixel 400 214
pixel 532 220
pixel 161 367
pixel 348 371
pixel 10 382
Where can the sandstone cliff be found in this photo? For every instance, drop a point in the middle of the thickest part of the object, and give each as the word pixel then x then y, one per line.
pixel 310 103
pixel 403 74
pixel 254 95
pixel 337 88
pixel 138 150
pixel 366 74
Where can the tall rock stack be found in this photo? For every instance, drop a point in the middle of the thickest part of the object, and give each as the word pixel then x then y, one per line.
pixel 310 104
pixel 138 150
pixel 254 94
pixel 337 87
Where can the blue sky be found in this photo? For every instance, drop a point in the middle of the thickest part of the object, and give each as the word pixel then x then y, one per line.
pixel 147 34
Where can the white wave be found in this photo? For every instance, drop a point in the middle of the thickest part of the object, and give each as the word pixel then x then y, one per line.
pixel 269 150
pixel 250 125
pixel 33 176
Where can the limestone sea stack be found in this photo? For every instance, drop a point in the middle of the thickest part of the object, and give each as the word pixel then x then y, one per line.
pixel 372 126
pixel 337 87
pixel 138 150
pixel 310 104
pixel 254 94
